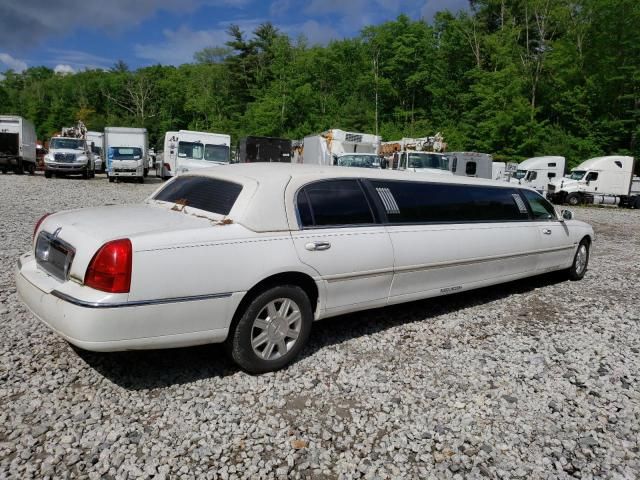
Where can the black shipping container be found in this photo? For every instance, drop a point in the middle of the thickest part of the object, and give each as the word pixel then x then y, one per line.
pixel 264 149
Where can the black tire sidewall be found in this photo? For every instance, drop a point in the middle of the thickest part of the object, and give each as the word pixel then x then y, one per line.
pixel 573 274
pixel 239 340
pixel 571 197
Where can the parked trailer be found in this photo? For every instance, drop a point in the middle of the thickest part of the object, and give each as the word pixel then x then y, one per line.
pixel 537 172
pixel 601 180
pixel 471 164
pixel 17 144
pixel 187 150
pixel 324 148
pixel 498 170
pixel 126 150
pixel 264 149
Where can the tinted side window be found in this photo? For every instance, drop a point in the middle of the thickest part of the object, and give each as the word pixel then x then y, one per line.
pixel 335 202
pixel 210 194
pixel 419 202
pixel 471 168
pixel 540 207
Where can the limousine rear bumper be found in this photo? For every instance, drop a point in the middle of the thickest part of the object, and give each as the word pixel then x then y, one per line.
pixel 115 327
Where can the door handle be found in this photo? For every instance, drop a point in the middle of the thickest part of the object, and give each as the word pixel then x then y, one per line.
pixel 546 231
pixel 317 246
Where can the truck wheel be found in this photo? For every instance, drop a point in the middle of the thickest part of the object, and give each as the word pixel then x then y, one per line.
pixel 140 179
pixel 146 172
pixel 47 174
pixel 111 179
pixel 272 330
pixel 85 173
pixel 19 169
pixel 31 169
pixel 636 202
pixel 573 199
pixel 4 170
pixel 580 261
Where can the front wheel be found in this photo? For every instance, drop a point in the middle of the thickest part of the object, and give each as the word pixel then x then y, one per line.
pixel 580 261
pixel 272 330
pixel 47 174
pixel 111 179
pixel 573 199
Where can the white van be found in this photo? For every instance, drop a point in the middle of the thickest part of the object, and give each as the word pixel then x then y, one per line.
pixel 126 150
pixel 187 150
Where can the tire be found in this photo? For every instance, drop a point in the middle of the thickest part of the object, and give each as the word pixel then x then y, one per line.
pixel 47 174
pixel 146 172
pixel 140 179
pixel 580 261
pixel 111 179
pixel 256 343
pixel 4 170
pixel 31 169
pixel 573 199
pixel 19 169
pixel 85 173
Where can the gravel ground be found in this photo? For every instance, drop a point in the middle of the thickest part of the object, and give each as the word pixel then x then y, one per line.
pixel 533 379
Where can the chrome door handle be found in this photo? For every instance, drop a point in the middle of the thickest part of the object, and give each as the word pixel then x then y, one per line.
pixel 546 231
pixel 317 246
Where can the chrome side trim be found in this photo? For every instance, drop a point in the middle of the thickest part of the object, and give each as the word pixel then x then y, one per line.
pixel 429 266
pixel 136 303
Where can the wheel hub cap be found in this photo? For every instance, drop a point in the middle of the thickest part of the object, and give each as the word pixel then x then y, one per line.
pixel 276 329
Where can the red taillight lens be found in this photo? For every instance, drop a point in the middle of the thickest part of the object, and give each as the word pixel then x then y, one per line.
pixel 167 166
pixel 110 267
pixel 38 223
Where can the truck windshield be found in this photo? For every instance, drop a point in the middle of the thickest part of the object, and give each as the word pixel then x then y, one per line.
pixel 428 160
pixel 69 143
pixel 577 174
pixel 520 174
pixel 126 153
pixel 193 150
pixel 216 153
pixel 362 161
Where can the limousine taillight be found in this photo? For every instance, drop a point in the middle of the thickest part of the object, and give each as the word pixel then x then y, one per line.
pixel 38 223
pixel 110 268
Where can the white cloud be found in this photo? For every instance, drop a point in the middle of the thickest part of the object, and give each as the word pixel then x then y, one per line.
pixel 77 59
pixel 431 7
pixel 279 8
pixel 64 69
pixel 180 45
pixel 12 63
pixel 316 33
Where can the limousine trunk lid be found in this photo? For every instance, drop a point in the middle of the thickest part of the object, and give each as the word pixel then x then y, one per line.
pixel 84 231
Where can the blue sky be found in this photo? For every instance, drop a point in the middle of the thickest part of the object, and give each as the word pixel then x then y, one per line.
pixel 71 35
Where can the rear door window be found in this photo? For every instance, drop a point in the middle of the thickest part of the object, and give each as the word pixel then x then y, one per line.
pixel 334 203
pixel 422 202
pixel 209 194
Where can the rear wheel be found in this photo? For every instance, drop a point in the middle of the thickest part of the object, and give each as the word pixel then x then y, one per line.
pixel 47 174
pixel 111 179
pixel 31 168
pixel 19 168
pixel 85 173
pixel 573 199
pixel 140 179
pixel 580 261
pixel 272 330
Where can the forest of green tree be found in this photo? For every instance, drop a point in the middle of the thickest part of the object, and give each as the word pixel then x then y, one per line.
pixel 514 78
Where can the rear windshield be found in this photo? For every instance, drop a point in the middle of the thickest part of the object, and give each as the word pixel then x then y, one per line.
pixel 210 194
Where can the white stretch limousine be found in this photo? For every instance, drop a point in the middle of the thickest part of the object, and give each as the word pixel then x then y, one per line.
pixel 251 254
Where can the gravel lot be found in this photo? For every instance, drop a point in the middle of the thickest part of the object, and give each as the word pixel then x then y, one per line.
pixel 534 379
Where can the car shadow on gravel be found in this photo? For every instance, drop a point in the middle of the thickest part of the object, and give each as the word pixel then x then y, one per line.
pixel 139 370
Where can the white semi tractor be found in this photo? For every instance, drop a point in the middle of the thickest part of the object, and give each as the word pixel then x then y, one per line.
pixel 326 147
pixel 17 145
pixel 537 172
pixel 601 180
pixel 126 153
pixel 187 150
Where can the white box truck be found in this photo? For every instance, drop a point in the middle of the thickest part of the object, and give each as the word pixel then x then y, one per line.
pixel 187 150
pixel 601 180
pixel 95 140
pixel 326 147
pixel 471 164
pixel 126 152
pixel 537 172
pixel 17 145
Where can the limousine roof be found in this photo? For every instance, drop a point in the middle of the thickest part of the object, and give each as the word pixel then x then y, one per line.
pixel 268 188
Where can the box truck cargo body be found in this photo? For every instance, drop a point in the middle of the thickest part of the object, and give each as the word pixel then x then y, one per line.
pixel 471 164
pixel 325 148
pixel 126 152
pixel 187 150
pixel 95 140
pixel 264 149
pixel 17 144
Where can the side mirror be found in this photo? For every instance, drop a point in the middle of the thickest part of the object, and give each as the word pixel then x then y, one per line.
pixel 567 215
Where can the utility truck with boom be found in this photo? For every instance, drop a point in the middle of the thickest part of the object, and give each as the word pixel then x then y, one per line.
pixel 423 154
pixel 17 145
pixel 126 153
pixel 70 154
pixel 187 150
pixel 601 180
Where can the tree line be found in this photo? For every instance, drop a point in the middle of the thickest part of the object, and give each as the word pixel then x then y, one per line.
pixel 515 78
